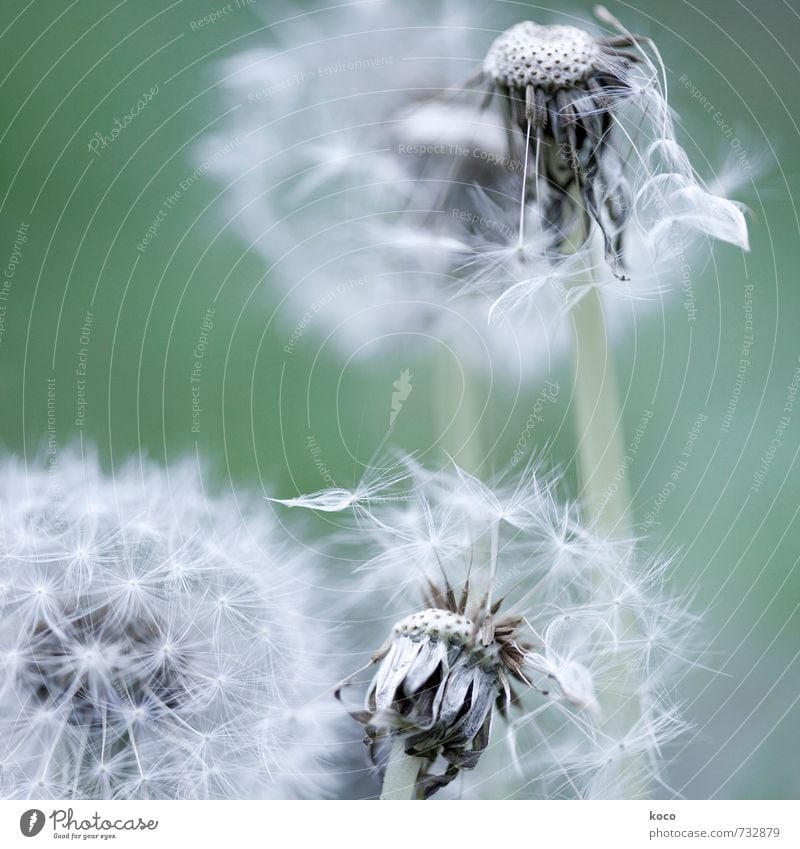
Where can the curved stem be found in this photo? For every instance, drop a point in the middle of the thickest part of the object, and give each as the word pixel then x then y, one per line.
pixel 402 771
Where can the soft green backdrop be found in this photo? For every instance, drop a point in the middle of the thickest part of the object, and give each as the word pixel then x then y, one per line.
pixel 67 70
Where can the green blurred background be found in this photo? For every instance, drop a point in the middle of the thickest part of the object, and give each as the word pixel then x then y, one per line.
pixel 67 70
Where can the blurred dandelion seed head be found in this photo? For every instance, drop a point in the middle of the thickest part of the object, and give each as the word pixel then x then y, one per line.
pixel 574 639
pixel 401 175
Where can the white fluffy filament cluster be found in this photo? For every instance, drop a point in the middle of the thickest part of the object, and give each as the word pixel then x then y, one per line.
pixel 150 641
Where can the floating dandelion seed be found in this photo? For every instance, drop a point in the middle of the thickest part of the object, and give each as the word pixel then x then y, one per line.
pixel 149 641
pixel 505 603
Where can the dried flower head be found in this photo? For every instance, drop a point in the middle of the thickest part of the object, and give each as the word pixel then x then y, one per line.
pixel 502 601
pixel 148 641
pixel 556 82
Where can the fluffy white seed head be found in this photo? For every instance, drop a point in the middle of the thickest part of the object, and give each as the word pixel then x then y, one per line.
pixel 154 643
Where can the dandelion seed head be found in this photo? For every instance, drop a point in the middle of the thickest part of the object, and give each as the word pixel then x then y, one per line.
pixel 439 681
pixel 434 623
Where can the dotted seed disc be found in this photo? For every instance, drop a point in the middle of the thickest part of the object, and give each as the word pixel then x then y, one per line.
pixel 547 57
pixel 435 623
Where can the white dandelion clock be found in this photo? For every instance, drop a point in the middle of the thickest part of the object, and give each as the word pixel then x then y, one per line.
pixel 512 627
pixel 154 643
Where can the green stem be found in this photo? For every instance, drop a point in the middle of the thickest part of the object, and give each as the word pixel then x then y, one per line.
pixel 402 771
pixel 606 500
pixel 601 443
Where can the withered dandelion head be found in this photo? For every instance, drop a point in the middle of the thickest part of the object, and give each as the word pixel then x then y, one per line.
pixel 440 677
pixel 548 57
